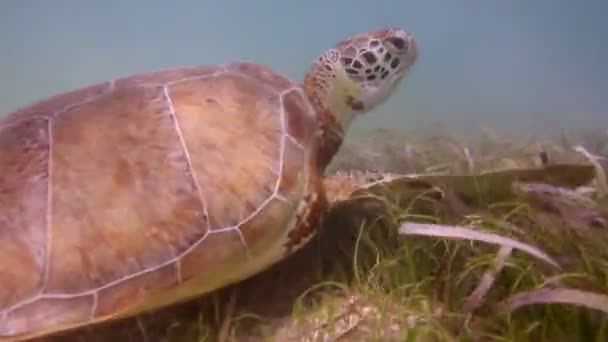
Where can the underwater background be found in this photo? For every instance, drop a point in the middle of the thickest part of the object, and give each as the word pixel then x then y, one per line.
pixel 517 66
pixel 499 236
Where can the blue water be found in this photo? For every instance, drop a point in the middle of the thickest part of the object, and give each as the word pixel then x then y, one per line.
pixel 516 64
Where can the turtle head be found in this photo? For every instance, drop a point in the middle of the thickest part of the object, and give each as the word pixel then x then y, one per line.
pixel 360 72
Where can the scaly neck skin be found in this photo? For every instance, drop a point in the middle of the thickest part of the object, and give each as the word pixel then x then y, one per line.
pixel 354 77
pixel 332 95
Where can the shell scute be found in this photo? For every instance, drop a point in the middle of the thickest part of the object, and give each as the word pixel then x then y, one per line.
pixel 119 173
pixel 57 104
pixel 23 204
pixel 113 299
pixel 168 76
pixel 238 146
pixel 261 230
pixel 262 74
pixel 299 116
pixel 292 170
pixel 209 263
pixel 47 313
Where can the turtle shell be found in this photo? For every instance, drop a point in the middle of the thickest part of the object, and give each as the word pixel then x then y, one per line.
pixel 147 190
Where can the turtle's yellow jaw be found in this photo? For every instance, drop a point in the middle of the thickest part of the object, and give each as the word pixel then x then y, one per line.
pixel 361 72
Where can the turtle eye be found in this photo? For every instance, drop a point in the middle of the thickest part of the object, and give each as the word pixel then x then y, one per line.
pixel 398 43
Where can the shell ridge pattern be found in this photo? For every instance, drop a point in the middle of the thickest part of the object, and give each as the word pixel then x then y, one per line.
pixel 109 90
pixel 49 207
pixel 284 125
pixel 94 305
pixel 269 89
pixel 190 171
pixel 308 106
pixel 49 118
pixel 17 121
pixel 275 195
pixel 192 78
pixel 286 135
pixel 110 85
pixel 187 154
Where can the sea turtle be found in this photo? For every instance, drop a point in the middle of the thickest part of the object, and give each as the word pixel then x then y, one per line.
pixel 129 195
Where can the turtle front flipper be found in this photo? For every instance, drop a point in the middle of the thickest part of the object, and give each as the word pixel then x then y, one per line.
pixel 355 194
pixel 358 192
